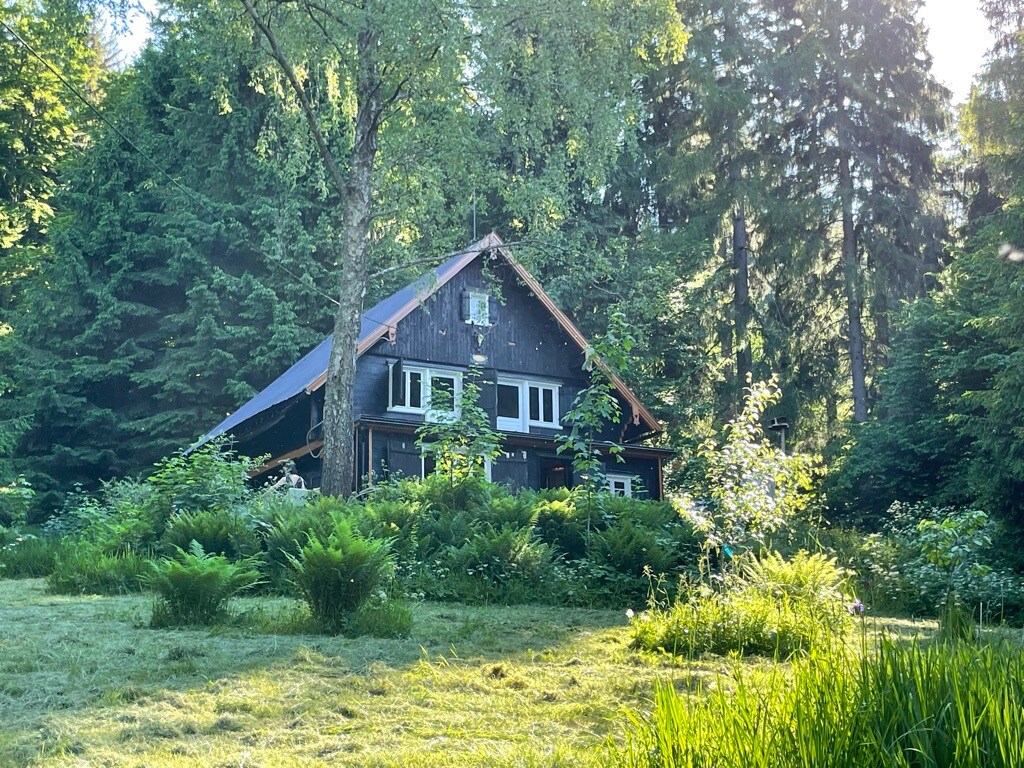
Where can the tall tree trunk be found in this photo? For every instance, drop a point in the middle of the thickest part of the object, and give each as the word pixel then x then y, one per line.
pixel 338 468
pixel 880 318
pixel 726 333
pixel 851 281
pixel 741 288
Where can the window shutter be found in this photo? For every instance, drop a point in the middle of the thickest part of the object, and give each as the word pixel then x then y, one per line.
pixel 492 311
pixel 397 384
pixel 465 306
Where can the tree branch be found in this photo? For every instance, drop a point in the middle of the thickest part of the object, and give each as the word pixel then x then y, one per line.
pixel 300 93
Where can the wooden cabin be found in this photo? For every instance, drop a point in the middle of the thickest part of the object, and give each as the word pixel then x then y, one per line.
pixel 482 307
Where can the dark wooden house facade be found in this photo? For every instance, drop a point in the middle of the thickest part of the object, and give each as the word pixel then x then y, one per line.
pixel 480 307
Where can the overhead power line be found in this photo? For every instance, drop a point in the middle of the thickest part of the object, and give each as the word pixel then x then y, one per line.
pixel 82 97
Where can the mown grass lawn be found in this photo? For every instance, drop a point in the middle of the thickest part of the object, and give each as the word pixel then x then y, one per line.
pixel 83 681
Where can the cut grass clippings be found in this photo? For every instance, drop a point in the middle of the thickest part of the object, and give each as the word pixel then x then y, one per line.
pixel 84 682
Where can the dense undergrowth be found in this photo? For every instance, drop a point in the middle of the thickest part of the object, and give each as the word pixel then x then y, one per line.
pixel 900 705
pixel 709 571
pixel 471 541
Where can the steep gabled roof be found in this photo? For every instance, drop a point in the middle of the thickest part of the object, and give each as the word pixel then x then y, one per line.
pixel 310 372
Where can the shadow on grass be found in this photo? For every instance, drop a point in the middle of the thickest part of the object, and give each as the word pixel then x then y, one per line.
pixel 84 680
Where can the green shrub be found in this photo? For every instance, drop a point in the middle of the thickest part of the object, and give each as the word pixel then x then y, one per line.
pixel 25 555
pixel 631 549
pixel 383 617
pixel 902 706
pixel 896 572
pixel 291 529
pixel 399 522
pixel 218 532
pixel 559 526
pixel 517 511
pixel 85 568
pixel 506 565
pixel 472 495
pixel 336 577
pixel 211 477
pixel 774 607
pixel 193 587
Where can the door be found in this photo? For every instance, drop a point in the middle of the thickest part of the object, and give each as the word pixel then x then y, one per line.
pixel 555 472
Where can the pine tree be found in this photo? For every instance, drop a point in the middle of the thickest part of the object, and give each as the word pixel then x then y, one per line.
pixel 863 119
pixel 163 306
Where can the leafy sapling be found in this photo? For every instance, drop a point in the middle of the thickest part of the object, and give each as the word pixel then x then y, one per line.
pixel 459 437
pixel 953 545
pixel 755 490
pixel 597 406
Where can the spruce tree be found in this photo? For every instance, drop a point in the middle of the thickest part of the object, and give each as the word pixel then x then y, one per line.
pixel 164 305
pixel 863 119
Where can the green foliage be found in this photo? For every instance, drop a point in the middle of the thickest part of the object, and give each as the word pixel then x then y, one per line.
pixel 212 477
pixel 597 406
pixel 473 541
pixel 896 572
pixel 39 125
pixel 500 565
pixel 754 489
pixel 773 607
pixel 24 554
pixel 15 498
pixel 155 314
pixel 290 529
pixel 336 576
pixel 218 532
pixel 193 587
pixel 558 524
pixel 87 569
pixel 459 437
pixel 477 542
pixel 900 706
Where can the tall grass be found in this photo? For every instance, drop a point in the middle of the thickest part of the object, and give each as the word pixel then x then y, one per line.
pixel 27 555
pixel 87 569
pixel 771 607
pixel 900 706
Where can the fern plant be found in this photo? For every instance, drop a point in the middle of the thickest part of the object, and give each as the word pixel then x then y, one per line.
pixel 193 587
pixel 335 577
pixel 218 531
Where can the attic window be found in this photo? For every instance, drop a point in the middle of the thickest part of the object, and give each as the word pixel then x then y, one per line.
pixel 477 308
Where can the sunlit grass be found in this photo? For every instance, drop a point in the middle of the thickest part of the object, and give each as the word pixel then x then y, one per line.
pixel 84 682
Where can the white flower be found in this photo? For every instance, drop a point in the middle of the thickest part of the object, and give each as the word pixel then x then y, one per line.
pixel 630 614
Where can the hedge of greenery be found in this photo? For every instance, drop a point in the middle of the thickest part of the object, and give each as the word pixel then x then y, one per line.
pixel 197 518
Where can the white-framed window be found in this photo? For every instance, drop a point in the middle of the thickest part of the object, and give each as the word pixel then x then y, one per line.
pixel 619 485
pixel 523 404
pixel 510 406
pixel 479 309
pixel 410 388
pixel 542 405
